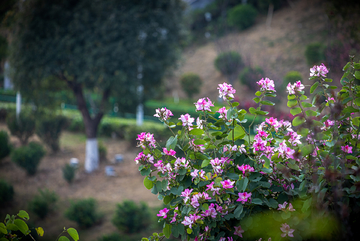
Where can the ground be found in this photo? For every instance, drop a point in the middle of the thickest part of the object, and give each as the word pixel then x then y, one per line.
pixel 127 184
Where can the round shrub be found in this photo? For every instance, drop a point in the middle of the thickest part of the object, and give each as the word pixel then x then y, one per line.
pixel 190 83
pixel 242 16
pixel 4 144
pixel 130 217
pixel 249 76
pixel 83 212
pixel 228 63
pixel 290 77
pixel 69 173
pixel 315 53
pixel 28 157
pixel 43 203
pixel 22 128
pixel 49 129
pixel 6 192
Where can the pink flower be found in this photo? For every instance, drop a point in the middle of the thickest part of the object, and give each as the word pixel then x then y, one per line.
pixel 163 114
pixel 226 91
pixel 213 189
pixel 146 140
pixel 223 112
pixel 196 148
pixel 186 194
pixel 238 231
pixel 243 197
pixel 144 159
pixel 163 213
pixel 285 228
pixel 187 120
pixel 346 149
pixel 200 123
pixel 319 70
pixel 187 221
pixel 282 207
pixel 227 184
pixel 293 89
pixel 266 85
pixel 169 153
pixel 211 212
pixel 203 104
pixel 245 168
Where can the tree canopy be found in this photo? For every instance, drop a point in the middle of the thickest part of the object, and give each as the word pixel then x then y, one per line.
pixel 94 47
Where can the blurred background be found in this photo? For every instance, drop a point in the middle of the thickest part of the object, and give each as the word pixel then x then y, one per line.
pixel 74 71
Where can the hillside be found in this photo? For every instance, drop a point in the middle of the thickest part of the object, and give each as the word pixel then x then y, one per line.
pixel 277 49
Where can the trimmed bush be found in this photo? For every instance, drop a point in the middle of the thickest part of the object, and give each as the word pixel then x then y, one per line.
pixel 111 237
pixel 43 203
pixel 242 16
pixel 69 173
pixel 28 157
pixel 83 212
pixel 49 129
pixel 249 76
pixel 228 63
pixel 131 218
pixel 22 128
pixel 315 53
pixel 290 77
pixel 5 146
pixel 191 84
pixel 76 125
pixel 6 192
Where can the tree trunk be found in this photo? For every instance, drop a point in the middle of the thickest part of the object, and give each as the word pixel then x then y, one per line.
pixel 91 126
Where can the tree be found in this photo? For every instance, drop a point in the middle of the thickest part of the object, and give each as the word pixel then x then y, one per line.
pixel 95 48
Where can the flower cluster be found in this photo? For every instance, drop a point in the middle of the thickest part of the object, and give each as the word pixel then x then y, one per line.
pixel 163 114
pixel 215 176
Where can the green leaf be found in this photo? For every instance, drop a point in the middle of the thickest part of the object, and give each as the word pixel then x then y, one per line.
pixel 356 65
pixel 295 111
pixel 12 227
pixel 298 121
pixel 252 110
pixel 63 238
pixel 357 74
pixel 258 93
pixel 200 141
pixel 346 66
pixel 291 97
pixel 3 228
pixel 350 109
pixel 22 226
pixel 306 205
pixel 357 101
pixel 167 199
pixel 328 80
pixel 40 231
pixel 196 132
pixel 238 211
pixel 311 113
pixel 292 103
pixel 73 233
pixel 147 183
pixel 303 97
pixel 145 172
pixel 306 105
pixel 205 163
pixel 267 162
pixel 171 143
pixel 23 214
pixel 234 104
pixel 306 150
pixel 267 102
pixel 238 133
pixel 356 121
pixel 189 230
pixel 242 184
pixel 256 99
pixel 313 87
pixel 261 112
pixel 257 201
pixel 167 230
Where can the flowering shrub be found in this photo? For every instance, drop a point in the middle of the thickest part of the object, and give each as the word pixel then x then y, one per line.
pixel 296 179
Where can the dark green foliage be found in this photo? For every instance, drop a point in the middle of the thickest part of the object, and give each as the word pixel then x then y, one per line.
pixel 43 203
pixel 28 157
pixel 49 129
pixel 228 63
pixel 249 76
pixel 83 212
pixel 76 125
pixel 242 16
pixel 54 44
pixel 69 172
pixel 263 5
pixel 191 84
pixel 102 151
pixel 290 77
pixel 5 146
pixel 111 237
pixel 131 218
pixel 315 53
pixel 6 192
pixel 24 127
